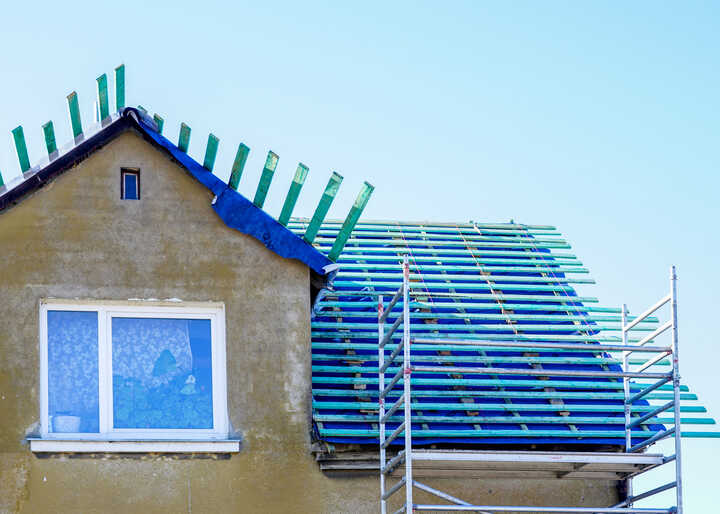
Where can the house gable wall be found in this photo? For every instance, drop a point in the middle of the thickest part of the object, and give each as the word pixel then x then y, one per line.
pixel 76 238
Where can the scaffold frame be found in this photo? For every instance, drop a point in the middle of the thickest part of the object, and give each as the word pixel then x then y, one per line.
pixel 623 465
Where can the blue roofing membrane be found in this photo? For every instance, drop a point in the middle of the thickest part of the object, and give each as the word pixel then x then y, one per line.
pixel 234 209
pixel 497 282
pixel 237 211
pixel 509 282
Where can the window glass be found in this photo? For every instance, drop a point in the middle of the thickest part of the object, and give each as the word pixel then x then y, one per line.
pixel 162 373
pixel 130 186
pixel 73 404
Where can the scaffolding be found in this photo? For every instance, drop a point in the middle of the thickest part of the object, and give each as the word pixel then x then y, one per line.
pixel 410 462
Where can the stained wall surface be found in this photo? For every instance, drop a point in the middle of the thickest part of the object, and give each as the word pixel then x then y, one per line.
pixel 76 238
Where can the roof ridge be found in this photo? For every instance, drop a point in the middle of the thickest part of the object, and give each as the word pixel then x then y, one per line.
pixel 110 123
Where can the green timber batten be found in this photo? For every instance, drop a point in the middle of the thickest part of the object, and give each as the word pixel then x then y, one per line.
pixel 484 282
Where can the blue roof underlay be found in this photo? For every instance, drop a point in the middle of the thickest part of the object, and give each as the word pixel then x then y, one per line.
pixel 344 341
pixel 234 209
pixel 237 211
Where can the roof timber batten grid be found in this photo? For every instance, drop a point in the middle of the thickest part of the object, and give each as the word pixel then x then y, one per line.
pixel 515 303
pixel 485 287
pixel 415 428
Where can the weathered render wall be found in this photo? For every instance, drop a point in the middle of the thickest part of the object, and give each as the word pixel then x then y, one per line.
pixel 76 239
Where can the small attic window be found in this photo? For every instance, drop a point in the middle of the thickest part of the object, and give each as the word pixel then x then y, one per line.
pixel 130 184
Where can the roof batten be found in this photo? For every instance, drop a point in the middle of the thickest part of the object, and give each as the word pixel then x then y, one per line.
pixel 50 143
pixel 102 96
pixel 238 165
pixel 184 139
pixel 293 194
pixel 120 87
pixel 74 111
pixel 21 148
pixel 265 179
pixel 323 206
pixel 211 152
pixel 159 121
pixel 352 218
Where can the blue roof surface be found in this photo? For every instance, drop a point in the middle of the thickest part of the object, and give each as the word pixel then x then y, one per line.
pixel 505 282
pixel 237 211
pixel 234 209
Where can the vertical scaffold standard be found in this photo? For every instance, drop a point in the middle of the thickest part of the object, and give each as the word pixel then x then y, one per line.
pixel 638 382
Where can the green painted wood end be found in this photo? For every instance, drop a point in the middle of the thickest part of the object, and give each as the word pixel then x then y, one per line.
pixel 102 97
pixel 265 179
pixel 21 148
pixel 74 110
pixel 351 220
pixel 160 122
pixel 238 165
pixel 211 152
pixel 120 88
pixel 49 133
pixel 291 199
pixel 184 139
pixel 323 206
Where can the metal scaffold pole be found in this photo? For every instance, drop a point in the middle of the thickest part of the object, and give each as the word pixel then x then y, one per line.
pixel 638 412
pixel 381 402
pixel 407 370
pixel 676 389
pixel 626 394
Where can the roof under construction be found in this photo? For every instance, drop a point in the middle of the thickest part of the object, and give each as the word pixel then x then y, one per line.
pixel 511 286
pixel 234 209
pixel 508 285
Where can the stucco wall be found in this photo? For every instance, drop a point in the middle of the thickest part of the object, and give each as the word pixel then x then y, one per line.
pixel 75 238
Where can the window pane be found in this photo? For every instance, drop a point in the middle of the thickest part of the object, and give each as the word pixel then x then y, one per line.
pixel 73 371
pixel 131 192
pixel 162 373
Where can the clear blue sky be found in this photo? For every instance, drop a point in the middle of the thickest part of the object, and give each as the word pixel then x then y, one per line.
pixel 600 118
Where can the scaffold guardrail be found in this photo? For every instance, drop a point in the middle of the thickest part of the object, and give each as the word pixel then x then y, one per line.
pixel 631 372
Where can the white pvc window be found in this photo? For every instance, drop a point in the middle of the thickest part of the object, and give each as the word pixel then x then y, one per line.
pixel 124 371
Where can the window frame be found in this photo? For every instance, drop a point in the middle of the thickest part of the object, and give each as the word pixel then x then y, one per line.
pixel 129 171
pixel 215 312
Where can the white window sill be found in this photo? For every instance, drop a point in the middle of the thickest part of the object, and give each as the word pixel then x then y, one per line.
pixel 87 446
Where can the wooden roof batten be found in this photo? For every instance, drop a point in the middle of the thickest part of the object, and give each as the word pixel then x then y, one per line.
pixel 521 310
pixel 105 117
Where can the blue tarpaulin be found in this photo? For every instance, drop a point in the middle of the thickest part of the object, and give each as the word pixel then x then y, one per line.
pixel 234 209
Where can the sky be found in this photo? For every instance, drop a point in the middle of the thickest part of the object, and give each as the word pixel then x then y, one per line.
pixel 599 118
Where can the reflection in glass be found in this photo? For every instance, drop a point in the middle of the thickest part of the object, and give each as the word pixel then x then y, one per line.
pixel 162 373
pixel 73 404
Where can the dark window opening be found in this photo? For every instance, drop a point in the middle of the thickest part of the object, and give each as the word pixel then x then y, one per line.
pixel 130 184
